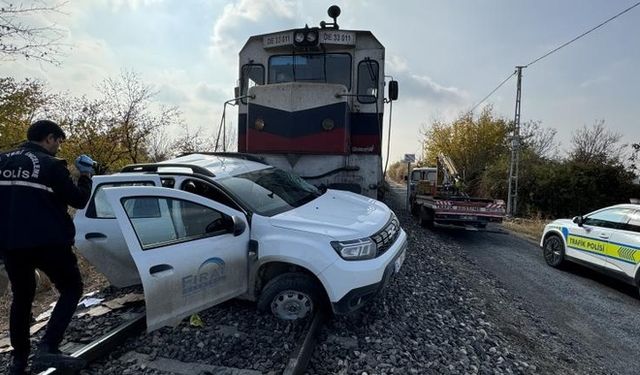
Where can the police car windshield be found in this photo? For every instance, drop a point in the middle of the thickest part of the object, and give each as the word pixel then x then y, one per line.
pixel 271 191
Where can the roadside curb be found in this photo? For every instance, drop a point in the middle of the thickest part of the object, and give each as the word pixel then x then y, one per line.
pixel 520 235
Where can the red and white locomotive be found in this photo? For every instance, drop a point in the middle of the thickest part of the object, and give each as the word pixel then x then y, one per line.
pixel 311 101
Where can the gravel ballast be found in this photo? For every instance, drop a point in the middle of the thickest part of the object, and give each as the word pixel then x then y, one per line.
pixel 234 336
pixel 441 314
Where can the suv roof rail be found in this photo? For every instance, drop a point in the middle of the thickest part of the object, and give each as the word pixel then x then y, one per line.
pixel 154 168
pixel 237 155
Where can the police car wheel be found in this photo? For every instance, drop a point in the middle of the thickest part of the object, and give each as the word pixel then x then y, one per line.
pixel 290 296
pixel 553 251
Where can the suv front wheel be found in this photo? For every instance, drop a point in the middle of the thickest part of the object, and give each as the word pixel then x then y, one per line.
pixel 290 296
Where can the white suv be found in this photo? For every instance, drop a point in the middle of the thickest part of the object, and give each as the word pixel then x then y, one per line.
pixel 204 228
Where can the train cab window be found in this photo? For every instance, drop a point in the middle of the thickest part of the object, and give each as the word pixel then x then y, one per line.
pixel 252 75
pixel 323 68
pixel 368 76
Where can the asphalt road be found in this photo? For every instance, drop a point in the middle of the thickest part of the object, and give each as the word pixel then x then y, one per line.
pixel 592 310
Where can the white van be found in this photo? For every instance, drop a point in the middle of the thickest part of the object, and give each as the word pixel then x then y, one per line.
pixel 204 228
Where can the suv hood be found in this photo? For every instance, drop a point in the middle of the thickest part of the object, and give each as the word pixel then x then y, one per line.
pixel 341 215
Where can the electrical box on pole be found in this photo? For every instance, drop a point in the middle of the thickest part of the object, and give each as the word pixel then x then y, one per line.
pixel 512 199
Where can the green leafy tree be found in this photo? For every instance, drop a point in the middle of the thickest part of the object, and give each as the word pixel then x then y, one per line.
pixel 20 103
pixel 473 144
pixel 397 171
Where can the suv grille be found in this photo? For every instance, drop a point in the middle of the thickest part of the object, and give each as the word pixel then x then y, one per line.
pixel 387 235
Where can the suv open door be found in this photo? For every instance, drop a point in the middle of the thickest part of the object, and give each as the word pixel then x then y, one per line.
pixel 98 236
pixel 191 253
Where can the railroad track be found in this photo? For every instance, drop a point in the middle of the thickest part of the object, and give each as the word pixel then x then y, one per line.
pixel 103 346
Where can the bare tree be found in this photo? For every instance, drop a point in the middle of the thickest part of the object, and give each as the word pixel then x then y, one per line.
pixel 596 144
pixel 229 141
pixel 540 140
pixel 26 31
pixel 123 126
pixel 160 146
pixel 128 101
pixel 192 141
pixel 635 157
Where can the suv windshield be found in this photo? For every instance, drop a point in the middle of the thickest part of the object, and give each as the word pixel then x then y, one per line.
pixel 270 191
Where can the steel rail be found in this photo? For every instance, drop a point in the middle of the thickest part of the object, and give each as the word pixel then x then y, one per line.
pixel 105 344
pixel 299 359
pixel 100 348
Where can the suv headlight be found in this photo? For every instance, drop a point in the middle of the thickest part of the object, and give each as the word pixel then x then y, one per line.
pixel 363 248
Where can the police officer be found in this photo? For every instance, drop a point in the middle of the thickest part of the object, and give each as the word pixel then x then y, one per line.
pixel 37 232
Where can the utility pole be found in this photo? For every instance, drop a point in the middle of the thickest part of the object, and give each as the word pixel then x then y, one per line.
pixel 512 199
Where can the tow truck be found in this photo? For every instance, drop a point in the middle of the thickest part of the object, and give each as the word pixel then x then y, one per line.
pixel 437 197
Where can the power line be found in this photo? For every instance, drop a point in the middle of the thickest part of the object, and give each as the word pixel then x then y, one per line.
pixel 552 51
pixel 493 91
pixel 581 35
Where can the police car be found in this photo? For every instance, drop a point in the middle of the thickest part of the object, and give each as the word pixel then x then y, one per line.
pixel 204 228
pixel 607 239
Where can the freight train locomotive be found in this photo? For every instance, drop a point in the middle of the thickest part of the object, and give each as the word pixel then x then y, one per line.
pixel 311 101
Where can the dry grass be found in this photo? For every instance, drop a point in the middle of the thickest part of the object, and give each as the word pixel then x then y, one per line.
pixel 47 294
pixel 530 228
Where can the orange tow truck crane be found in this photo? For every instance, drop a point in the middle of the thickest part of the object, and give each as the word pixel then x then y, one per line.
pixel 437 197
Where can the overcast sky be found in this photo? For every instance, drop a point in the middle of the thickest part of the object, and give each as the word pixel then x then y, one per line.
pixel 446 55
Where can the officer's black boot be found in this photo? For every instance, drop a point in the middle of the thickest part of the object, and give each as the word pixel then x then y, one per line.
pixel 46 357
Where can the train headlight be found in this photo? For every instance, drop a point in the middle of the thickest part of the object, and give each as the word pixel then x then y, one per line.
pixel 259 124
pixel 306 37
pixel 328 124
pixel 312 36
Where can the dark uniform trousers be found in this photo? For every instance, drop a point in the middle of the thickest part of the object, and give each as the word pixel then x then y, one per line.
pixel 61 267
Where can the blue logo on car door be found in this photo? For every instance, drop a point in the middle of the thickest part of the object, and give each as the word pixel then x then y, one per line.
pixel 210 272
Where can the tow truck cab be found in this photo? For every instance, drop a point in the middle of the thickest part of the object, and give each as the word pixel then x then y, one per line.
pixel 205 228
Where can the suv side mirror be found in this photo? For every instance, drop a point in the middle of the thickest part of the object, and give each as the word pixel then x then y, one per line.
pixel 238 226
pixel 578 220
pixel 393 90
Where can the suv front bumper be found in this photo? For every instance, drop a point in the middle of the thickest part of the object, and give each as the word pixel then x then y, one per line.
pixel 360 296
